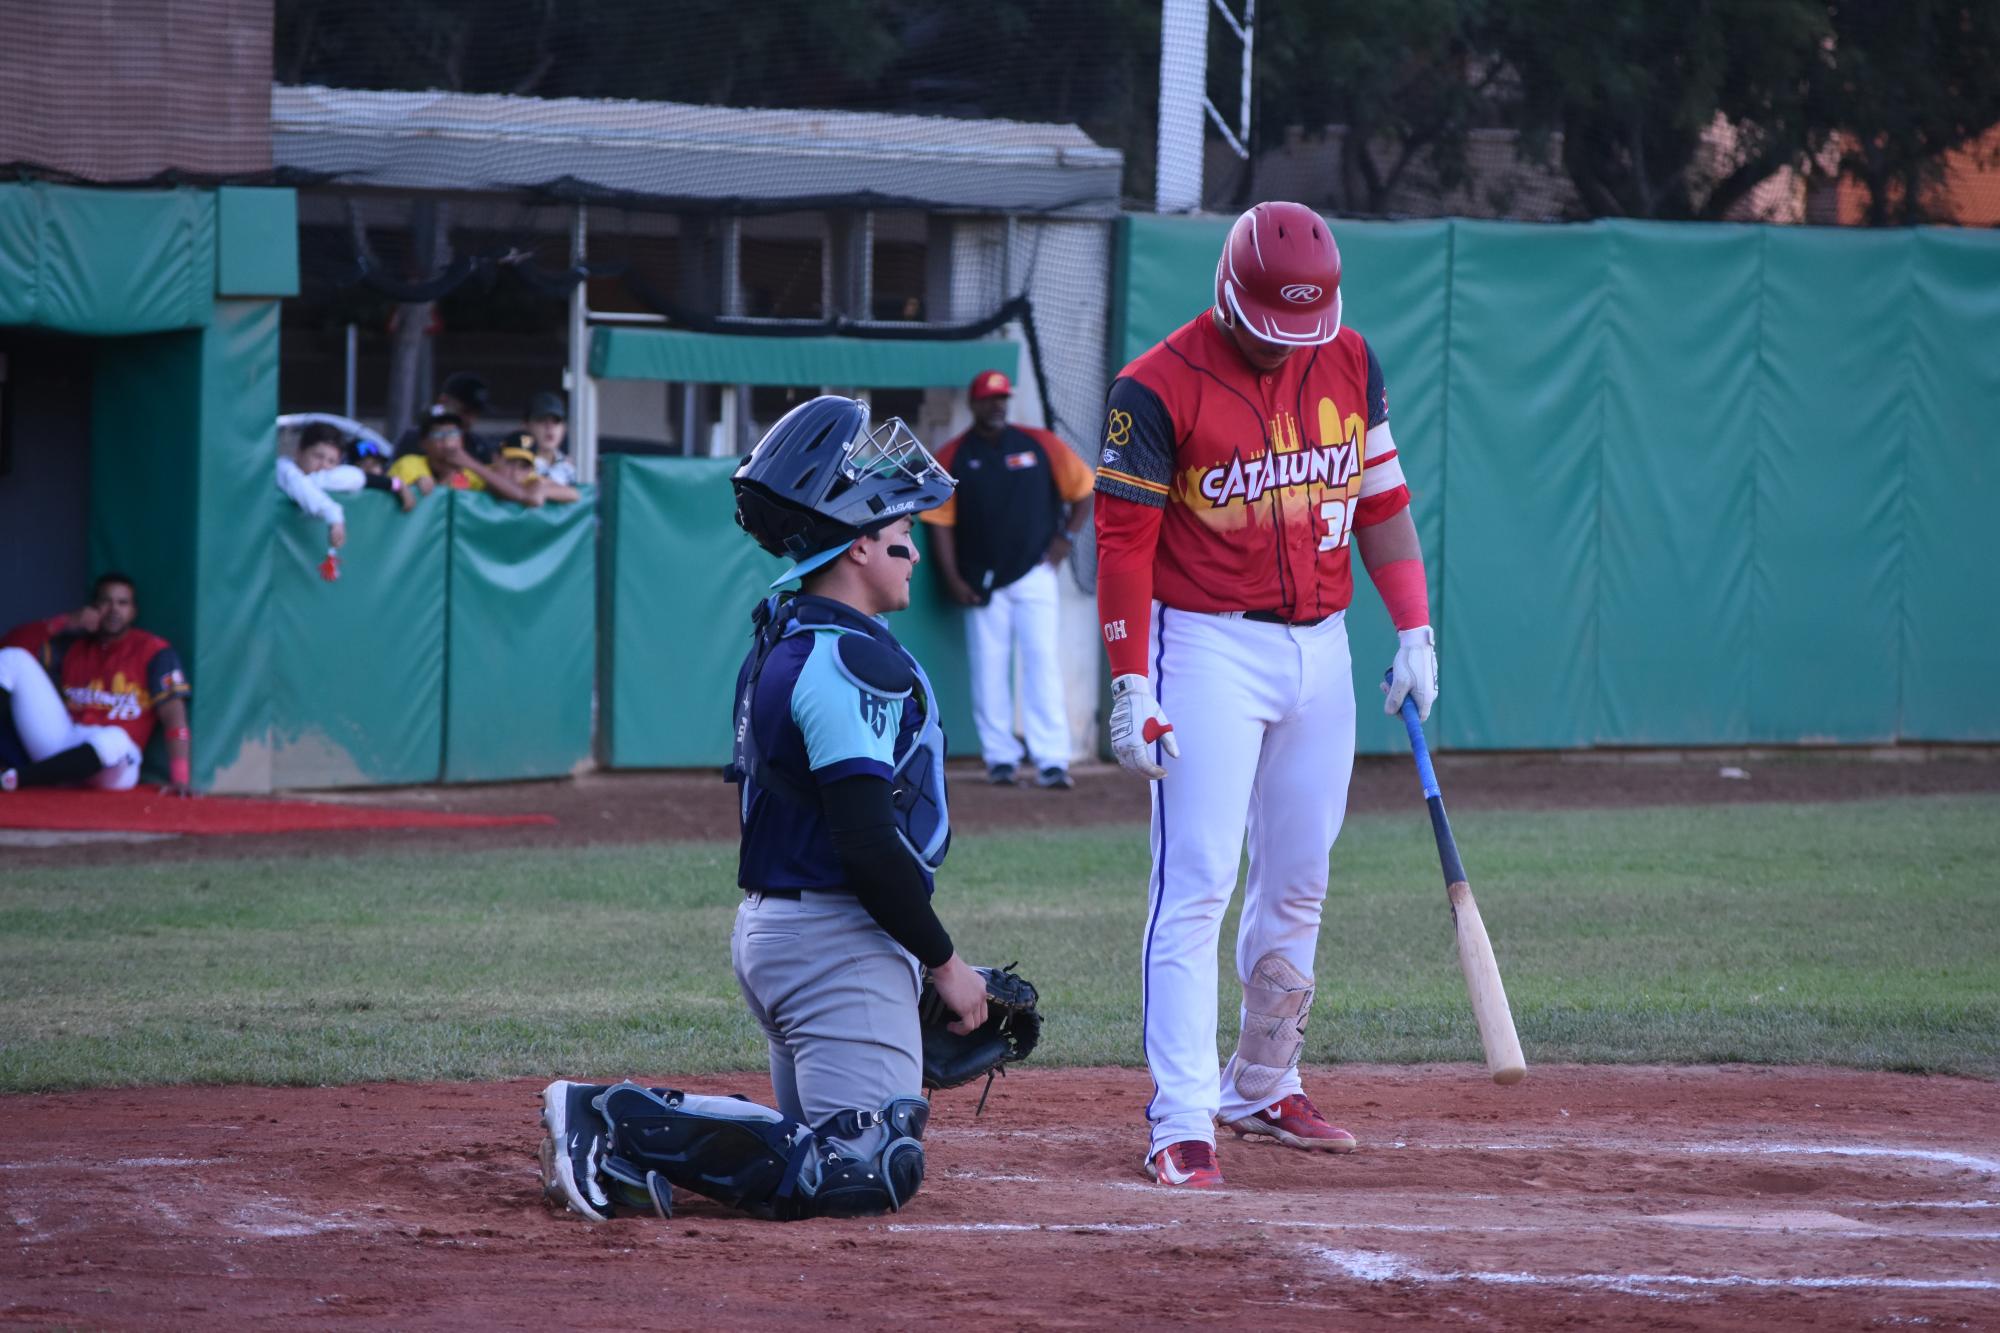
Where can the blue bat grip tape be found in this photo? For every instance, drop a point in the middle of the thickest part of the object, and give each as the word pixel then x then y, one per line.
pixel 1425 774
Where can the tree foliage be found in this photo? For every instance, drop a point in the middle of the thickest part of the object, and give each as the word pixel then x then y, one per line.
pixel 1651 108
pixel 1902 84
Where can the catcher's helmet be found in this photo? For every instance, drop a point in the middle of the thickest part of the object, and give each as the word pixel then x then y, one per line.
pixel 821 478
pixel 1279 276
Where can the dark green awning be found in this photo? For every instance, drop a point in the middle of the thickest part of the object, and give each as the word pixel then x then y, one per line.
pixel 681 357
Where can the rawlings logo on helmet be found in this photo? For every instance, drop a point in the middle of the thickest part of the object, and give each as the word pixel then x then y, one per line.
pixel 1304 293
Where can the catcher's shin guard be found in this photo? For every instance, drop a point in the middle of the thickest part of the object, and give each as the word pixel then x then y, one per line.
pixel 881 1182
pixel 1276 1000
pixel 735 1152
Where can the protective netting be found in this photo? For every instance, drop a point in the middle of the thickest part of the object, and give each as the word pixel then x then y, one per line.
pixel 884 169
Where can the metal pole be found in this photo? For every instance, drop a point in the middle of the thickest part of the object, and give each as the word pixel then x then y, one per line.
pixel 1183 105
pixel 347 399
pixel 582 398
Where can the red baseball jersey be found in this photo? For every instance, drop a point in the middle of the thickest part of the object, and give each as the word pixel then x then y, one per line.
pixel 1242 487
pixel 114 684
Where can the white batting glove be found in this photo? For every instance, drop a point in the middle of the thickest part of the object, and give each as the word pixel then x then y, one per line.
pixel 1137 722
pixel 1414 673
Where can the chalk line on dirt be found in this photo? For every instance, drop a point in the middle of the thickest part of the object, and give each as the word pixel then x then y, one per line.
pixel 1377 1266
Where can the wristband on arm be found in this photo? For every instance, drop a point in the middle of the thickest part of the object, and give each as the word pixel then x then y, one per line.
pixel 1401 583
pixel 178 768
pixel 1125 613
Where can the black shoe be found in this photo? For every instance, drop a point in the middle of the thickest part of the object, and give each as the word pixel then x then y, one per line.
pixel 1055 779
pixel 1001 775
pixel 572 1148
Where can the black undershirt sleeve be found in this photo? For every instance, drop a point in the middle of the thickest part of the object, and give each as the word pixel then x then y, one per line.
pixel 880 870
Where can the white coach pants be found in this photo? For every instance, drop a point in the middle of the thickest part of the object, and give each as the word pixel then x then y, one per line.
pixel 1265 718
pixel 1024 615
pixel 45 726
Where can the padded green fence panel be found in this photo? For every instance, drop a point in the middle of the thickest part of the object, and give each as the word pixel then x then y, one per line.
pixel 1833 434
pixel 1166 274
pixel 681 581
pixel 357 666
pixel 1951 576
pixel 180 468
pixel 1395 285
pixel 1678 448
pixel 239 400
pixel 520 638
pixel 1524 405
pixel 106 261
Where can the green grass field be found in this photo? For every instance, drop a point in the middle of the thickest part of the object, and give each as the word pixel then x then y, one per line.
pixel 1864 934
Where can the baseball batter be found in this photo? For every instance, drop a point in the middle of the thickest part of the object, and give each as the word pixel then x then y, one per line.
pixel 844 822
pixel 83 692
pixel 1243 456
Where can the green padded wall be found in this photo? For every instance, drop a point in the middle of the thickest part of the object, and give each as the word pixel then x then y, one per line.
pixel 520 637
pixel 1518 658
pixel 1679 485
pixel 357 665
pixel 1951 576
pixel 680 581
pixel 106 262
pixel 1677 440
pixel 180 500
pixel 1833 432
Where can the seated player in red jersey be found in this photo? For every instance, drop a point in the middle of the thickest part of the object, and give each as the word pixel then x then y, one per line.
pixel 113 683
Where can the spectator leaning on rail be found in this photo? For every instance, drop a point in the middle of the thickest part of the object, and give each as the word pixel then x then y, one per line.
pixel 444 462
pixel 519 461
pixel 113 682
pixel 1022 495
pixel 318 471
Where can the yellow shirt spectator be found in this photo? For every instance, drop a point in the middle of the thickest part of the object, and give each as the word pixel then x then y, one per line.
pixel 410 467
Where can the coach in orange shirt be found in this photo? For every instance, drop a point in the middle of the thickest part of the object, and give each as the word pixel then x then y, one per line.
pixel 1022 496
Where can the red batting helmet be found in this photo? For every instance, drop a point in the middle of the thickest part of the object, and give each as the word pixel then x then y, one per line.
pixel 1279 276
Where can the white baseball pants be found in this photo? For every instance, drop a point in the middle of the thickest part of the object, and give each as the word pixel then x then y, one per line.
pixel 1022 616
pixel 45 726
pixel 1265 719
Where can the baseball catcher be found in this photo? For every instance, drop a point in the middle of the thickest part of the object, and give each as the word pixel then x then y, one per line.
pixel 840 762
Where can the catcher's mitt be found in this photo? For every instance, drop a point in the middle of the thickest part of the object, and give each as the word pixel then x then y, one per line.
pixel 1013 1025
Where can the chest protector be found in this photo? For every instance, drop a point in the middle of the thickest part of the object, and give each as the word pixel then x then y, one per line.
pixel 916 779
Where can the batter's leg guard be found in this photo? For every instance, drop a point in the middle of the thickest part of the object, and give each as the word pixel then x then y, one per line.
pixel 733 1151
pixel 860 1186
pixel 1276 1000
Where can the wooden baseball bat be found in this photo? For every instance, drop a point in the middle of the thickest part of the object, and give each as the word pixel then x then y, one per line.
pixel 1475 952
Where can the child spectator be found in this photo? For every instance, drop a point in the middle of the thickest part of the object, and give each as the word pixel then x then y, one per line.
pixel 518 456
pixel 549 426
pixel 319 471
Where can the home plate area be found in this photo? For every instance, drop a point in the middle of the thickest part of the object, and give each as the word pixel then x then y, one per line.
pixel 1586 1196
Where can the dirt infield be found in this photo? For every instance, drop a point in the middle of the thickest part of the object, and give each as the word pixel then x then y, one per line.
pixel 1619 1198
pixel 676 806
pixel 1684 1198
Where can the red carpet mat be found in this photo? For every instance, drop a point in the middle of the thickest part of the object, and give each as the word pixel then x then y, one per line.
pixel 144 810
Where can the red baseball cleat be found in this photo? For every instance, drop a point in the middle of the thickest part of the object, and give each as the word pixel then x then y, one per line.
pixel 1189 1164
pixel 1295 1122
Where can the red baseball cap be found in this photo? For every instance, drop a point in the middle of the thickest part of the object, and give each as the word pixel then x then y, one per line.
pixel 989 384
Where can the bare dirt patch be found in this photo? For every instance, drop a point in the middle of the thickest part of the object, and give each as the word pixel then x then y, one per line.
pixel 1686 1198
